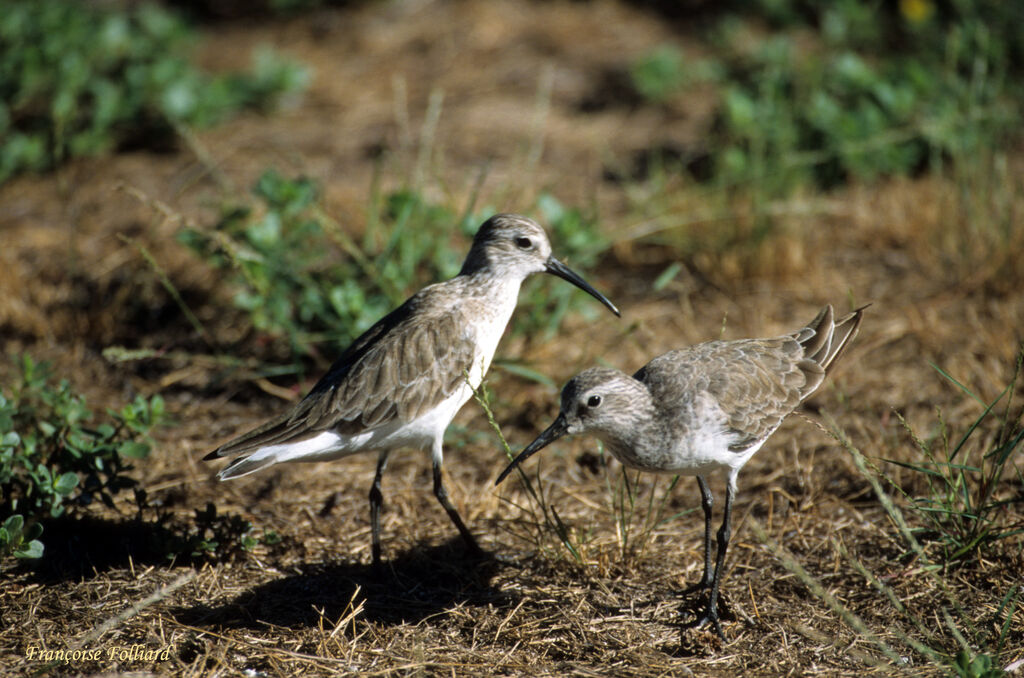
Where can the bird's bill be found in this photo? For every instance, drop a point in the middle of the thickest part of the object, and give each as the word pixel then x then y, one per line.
pixel 555 267
pixel 558 429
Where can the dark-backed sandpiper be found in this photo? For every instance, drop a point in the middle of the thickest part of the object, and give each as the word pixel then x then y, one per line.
pixel 700 409
pixel 401 382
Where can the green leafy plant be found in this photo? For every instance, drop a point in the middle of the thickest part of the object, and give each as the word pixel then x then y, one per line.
pixel 280 259
pixel 970 665
pixel 810 96
pixel 54 455
pixel 849 106
pixel 20 542
pixel 659 73
pixel 80 79
pixel 210 536
pixel 965 504
pixel 304 281
pixel 840 116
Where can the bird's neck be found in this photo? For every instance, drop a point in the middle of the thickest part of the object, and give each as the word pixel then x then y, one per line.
pixel 476 262
pixel 484 286
pixel 487 302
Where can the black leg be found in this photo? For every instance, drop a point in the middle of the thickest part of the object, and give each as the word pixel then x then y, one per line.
pixel 376 502
pixel 723 544
pixel 706 502
pixel 442 496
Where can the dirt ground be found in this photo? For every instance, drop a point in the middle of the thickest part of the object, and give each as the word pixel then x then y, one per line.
pixel 527 92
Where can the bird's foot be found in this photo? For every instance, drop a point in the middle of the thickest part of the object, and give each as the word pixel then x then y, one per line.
pixel 710 617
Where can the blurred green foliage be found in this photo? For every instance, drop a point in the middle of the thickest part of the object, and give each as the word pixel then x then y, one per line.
pixel 78 78
pixel 576 239
pixel 282 258
pixel 303 280
pixel 53 454
pixel 659 73
pixel 828 92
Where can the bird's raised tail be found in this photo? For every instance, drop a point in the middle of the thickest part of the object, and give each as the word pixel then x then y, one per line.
pixel 824 339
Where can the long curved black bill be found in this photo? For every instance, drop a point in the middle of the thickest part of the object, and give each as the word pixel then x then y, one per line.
pixel 555 267
pixel 552 433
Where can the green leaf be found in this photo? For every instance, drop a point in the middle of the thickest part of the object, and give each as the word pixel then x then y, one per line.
pixel 66 483
pixel 30 551
pixel 667 276
pixel 526 373
pixel 14 524
pixel 963 388
pixel 133 450
pixel 156 408
pixel 914 467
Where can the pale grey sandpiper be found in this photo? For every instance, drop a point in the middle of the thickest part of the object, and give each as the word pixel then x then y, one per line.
pixel 701 409
pixel 402 381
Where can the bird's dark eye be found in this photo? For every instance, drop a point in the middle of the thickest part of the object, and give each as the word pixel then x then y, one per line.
pixel 594 401
pixel 524 242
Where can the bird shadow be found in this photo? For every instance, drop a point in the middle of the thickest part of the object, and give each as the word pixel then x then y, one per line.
pixel 418 584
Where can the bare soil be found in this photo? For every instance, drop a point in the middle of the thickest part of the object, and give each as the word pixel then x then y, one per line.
pixel 527 97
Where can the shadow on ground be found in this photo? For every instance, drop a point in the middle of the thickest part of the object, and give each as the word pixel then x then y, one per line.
pixel 419 584
pixel 83 547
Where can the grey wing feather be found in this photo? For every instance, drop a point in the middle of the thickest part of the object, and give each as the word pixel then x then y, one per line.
pixel 756 382
pixel 761 381
pixel 769 378
pixel 393 370
pixel 402 376
pixel 841 335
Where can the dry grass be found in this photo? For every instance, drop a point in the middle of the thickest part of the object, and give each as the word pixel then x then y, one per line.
pixel 310 605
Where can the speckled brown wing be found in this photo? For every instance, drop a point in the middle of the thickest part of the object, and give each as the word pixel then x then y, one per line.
pixel 395 370
pixel 402 376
